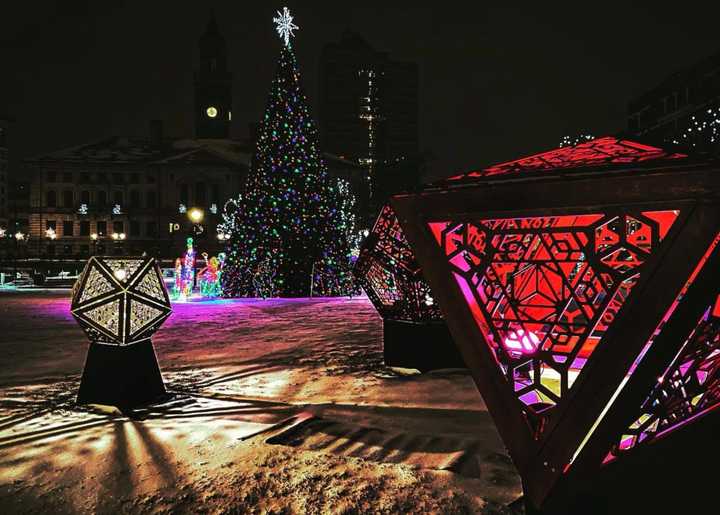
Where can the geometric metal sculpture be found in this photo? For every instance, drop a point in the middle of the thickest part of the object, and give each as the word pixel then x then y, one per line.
pixel 414 333
pixel 120 303
pixel 581 287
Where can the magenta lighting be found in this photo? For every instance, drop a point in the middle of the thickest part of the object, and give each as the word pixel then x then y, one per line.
pixel 581 287
pixel 120 303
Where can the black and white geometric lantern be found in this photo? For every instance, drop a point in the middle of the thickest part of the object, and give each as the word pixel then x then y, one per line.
pixel 120 302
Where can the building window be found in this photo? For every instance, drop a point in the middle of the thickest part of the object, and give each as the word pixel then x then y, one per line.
pixel 102 228
pixel 85 197
pixel 135 198
pixel 151 229
pixel 117 178
pixel 102 198
pixel 118 227
pixel 215 199
pixel 51 199
pixel 67 249
pixel 100 248
pixel 67 198
pixel 84 228
pixel 67 177
pixel 134 228
pixel 151 199
pixel 200 193
pixel 184 194
pixel 85 250
pixel 50 249
pixel 118 197
pixel 68 228
pixel 51 176
pixel 50 224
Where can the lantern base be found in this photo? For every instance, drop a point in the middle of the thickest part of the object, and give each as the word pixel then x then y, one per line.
pixel 424 346
pixel 122 376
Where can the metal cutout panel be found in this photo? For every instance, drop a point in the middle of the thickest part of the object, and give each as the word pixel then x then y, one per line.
pixel 544 290
pixel 551 237
pixel 388 272
pixel 120 301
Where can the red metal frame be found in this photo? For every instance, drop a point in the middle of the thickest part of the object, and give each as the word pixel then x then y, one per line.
pixel 608 150
pixel 506 254
pixel 390 275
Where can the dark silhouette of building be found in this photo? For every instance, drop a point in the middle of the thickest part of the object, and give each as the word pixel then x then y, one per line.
pixel 4 174
pixel 684 108
pixel 131 196
pixel 213 86
pixel 368 106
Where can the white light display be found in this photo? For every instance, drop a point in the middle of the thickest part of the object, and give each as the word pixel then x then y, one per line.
pixel 284 25
pixel 120 301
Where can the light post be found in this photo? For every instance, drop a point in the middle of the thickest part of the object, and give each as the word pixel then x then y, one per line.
pixel 196 215
pixel 19 236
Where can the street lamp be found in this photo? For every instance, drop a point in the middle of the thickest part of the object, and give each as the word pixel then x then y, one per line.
pixel 50 233
pixel 196 215
pixel 19 236
pixel 222 236
pixel 118 236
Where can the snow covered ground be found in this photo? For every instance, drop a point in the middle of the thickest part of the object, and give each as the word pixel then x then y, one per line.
pixel 280 406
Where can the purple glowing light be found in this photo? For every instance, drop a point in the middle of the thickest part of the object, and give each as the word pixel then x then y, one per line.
pixel 519 340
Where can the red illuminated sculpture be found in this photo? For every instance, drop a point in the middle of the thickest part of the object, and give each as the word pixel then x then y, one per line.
pixel 414 333
pixel 581 286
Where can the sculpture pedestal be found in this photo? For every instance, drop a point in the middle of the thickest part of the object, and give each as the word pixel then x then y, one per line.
pixel 424 346
pixel 123 376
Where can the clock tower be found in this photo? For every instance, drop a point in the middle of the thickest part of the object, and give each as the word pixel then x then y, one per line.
pixel 213 86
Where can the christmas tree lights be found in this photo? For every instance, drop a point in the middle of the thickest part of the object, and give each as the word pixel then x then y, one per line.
pixel 290 231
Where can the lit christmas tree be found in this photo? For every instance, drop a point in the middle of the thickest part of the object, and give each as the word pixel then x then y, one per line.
pixel 290 231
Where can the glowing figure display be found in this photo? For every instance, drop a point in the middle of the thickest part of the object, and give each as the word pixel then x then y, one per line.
pixel 188 270
pixel 209 277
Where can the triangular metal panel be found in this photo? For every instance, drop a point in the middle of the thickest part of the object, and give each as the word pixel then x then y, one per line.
pixel 542 464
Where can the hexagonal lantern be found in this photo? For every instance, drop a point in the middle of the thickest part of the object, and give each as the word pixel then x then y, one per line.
pixel 414 333
pixel 120 302
pixel 581 286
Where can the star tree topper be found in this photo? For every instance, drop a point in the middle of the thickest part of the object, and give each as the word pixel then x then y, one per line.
pixel 284 25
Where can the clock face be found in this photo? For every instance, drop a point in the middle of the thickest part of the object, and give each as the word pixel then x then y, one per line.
pixel 212 112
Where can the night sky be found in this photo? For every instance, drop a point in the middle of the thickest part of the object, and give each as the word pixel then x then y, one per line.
pixel 497 82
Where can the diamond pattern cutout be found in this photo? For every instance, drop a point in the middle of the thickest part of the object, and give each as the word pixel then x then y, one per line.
pixel 141 316
pixel 150 285
pixel 106 316
pixel 97 285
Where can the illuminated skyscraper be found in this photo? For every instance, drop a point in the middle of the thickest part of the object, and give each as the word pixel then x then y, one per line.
pixel 368 103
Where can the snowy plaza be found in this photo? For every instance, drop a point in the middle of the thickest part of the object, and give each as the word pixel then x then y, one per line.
pixel 276 405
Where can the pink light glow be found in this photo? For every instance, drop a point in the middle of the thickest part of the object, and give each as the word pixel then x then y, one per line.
pixel 524 342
